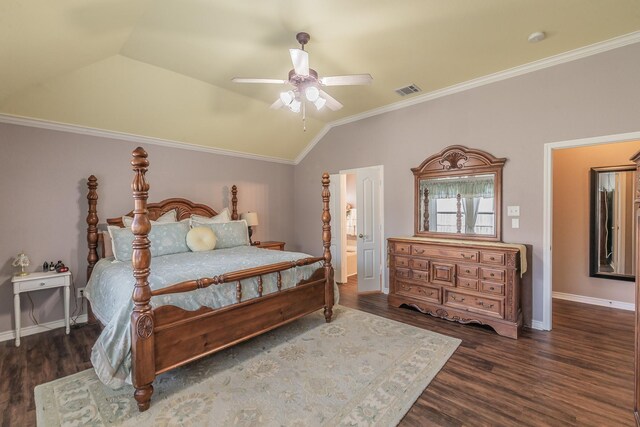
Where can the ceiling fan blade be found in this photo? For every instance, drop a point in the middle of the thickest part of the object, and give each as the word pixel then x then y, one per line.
pixel 276 105
pixel 332 103
pixel 300 60
pixel 243 80
pixel 353 79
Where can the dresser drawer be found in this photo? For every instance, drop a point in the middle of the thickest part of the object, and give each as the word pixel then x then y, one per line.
pixel 492 288
pixel 402 262
pixel 403 273
pixel 442 273
pixel 428 293
pixel 492 274
pixel 49 282
pixel 496 258
pixel 468 255
pixel 402 248
pixel 419 264
pixel 467 271
pixel 478 304
pixel 466 283
pixel 420 275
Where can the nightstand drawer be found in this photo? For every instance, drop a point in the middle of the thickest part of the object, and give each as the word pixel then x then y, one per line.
pixel 43 283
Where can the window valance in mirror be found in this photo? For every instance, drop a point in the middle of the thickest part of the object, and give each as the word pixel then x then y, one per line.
pixel 458 194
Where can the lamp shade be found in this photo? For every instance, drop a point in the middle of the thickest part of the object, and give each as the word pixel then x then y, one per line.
pixel 250 217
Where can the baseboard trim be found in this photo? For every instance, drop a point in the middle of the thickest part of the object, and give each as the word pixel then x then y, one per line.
pixel 595 301
pixel 36 329
pixel 538 325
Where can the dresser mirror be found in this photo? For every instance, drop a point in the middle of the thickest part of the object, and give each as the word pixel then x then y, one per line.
pixel 612 249
pixel 458 195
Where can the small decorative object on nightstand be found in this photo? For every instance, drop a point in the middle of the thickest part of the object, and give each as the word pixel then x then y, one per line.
pixel 252 221
pixel 22 261
pixel 276 246
pixel 37 281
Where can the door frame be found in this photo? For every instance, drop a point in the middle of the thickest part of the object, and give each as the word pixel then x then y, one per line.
pixel 383 253
pixel 547 214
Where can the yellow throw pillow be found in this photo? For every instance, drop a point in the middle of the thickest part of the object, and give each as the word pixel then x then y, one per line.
pixel 201 239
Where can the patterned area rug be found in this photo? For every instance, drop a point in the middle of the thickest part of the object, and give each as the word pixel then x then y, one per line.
pixel 360 369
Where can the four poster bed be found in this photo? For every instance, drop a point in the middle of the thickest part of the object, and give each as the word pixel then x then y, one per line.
pixel 178 314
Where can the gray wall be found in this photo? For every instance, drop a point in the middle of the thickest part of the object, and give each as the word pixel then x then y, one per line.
pixel 514 118
pixel 43 189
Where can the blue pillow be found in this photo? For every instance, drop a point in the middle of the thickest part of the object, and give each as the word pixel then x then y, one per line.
pixel 166 238
pixel 230 234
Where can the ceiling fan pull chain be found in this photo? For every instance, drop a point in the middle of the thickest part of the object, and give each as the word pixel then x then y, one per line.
pixel 304 116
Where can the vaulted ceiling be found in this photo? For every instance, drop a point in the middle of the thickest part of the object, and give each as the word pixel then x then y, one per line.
pixel 163 68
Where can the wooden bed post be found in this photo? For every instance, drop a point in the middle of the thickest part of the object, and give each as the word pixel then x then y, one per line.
pixel 326 242
pixel 92 224
pixel 142 321
pixel 234 202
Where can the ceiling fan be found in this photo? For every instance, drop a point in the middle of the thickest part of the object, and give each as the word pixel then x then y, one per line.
pixel 306 83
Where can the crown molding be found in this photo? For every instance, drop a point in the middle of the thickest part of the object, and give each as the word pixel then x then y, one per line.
pixel 122 136
pixel 551 61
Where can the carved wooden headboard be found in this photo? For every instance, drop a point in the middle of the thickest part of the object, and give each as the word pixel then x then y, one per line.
pixel 185 208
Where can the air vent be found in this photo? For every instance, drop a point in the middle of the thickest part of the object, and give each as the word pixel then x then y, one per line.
pixel 408 90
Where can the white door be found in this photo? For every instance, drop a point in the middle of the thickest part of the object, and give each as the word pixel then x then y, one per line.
pixel 338 209
pixel 369 204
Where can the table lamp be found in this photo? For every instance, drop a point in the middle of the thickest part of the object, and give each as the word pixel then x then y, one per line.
pixel 22 261
pixel 252 221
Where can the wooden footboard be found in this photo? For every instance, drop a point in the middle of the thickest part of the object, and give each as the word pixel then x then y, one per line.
pixel 168 336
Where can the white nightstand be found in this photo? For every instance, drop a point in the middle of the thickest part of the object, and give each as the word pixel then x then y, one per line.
pixel 37 281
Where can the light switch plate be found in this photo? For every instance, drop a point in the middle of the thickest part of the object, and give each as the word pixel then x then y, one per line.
pixel 513 210
pixel 515 222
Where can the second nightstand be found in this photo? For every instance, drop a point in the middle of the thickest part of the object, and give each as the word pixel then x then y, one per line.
pixel 276 246
pixel 37 281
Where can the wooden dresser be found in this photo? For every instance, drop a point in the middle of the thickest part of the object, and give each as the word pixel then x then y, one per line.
pixel 466 282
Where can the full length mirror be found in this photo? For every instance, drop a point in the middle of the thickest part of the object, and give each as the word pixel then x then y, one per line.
pixel 612 225
pixel 458 193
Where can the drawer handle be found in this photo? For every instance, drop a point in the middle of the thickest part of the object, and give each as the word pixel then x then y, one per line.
pixel 425 292
pixel 453 297
pixel 467 271
pixel 492 288
pixel 492 275
pixel 406 288
pixel 481 303
pixel 492 259
pixel 467 257
pixel 419 251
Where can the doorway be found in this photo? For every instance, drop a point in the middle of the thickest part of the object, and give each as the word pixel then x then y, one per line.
pixel 358 224
pixel 548 215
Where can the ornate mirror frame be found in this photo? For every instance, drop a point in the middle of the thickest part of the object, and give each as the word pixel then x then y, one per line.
pixel 458 160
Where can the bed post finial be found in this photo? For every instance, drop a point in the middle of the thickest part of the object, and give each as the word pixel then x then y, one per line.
pixel 234 202
pixel 92 224
pixel 326 243
pixel 142 320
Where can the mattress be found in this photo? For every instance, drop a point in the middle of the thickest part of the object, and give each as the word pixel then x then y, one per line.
pixel 111 285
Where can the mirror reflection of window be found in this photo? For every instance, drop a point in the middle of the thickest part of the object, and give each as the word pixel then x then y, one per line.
pixel 459 204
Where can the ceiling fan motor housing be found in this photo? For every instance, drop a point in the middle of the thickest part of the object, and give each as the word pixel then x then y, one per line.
pixel 298 80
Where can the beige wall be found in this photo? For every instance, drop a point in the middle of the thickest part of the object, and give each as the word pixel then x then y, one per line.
pixel 514 118
pixel 571 167
pixel 43 193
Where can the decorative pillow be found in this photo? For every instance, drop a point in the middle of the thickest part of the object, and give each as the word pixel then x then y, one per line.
pixel 201 239
pixel 107 244
pixel 230 234
pixel 168 216
pixel 167 238
pixel 223 216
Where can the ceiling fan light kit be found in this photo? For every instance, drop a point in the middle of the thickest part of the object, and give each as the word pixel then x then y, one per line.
pixel 306 83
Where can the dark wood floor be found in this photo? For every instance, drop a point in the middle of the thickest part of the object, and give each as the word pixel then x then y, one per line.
pixel 581 373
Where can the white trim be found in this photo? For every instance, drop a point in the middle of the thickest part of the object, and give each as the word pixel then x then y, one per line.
pixel 122 136
pixel 547 210
pixel 551 61
pixel 36 329
pixel 536 324
pixel 595 301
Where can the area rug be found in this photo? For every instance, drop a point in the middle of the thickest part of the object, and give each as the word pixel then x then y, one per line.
pixel 360 369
